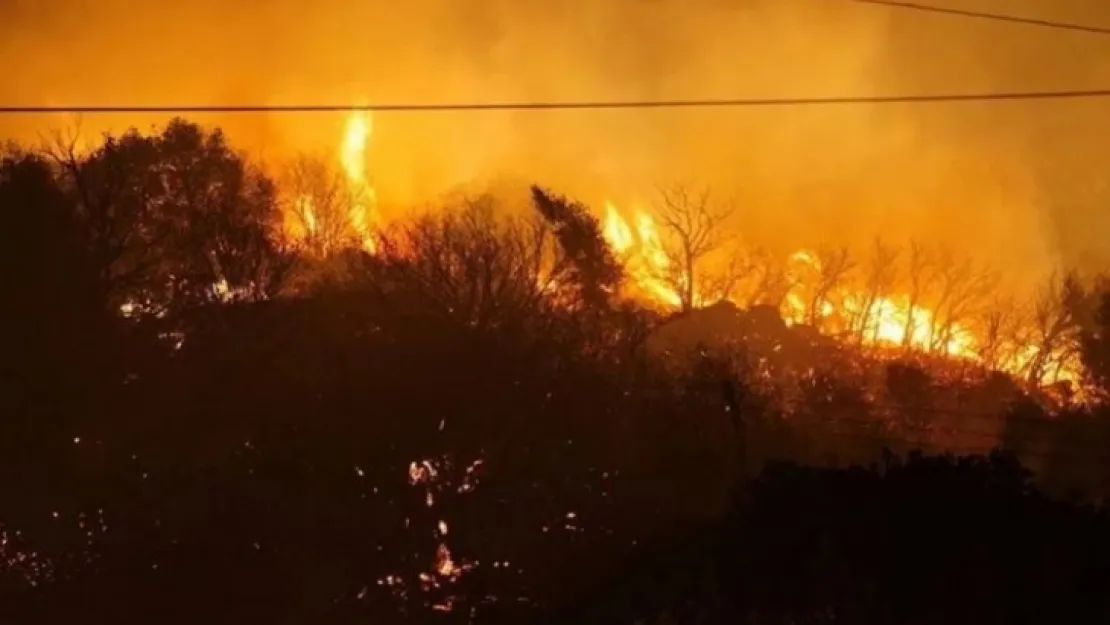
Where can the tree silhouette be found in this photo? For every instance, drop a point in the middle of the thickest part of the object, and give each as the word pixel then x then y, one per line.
pixel 175 219
pixel 320 202
pixel 114 189
pixel 1094 340
pixel 595 270
pixel 882 272
pixel 696 228
pixel 921 278
pixel 221 215
pixel 478 268
pixel 1054 329
pixel 962 289
pixel 465 425
pixel 834 266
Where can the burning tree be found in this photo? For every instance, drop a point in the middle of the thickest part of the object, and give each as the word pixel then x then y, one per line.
pixel 963 287
pixel 593 268
pixel 333 207
pixel 321 203
pixel 882 273
pixel 695 226
pixel 1052 345
pixel 671 252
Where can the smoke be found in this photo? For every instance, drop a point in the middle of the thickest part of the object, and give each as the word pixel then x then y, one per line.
pixel 1017 181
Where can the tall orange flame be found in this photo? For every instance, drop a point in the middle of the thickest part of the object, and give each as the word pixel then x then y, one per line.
pixel 356 138
pixel 887 320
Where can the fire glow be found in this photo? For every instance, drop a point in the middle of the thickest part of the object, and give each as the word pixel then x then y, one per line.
pixel 883 321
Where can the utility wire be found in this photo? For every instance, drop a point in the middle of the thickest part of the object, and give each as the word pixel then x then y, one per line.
pixel 568 105
pixel 998 17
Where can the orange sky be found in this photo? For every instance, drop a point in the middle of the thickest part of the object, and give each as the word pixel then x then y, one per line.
pixel 1019 181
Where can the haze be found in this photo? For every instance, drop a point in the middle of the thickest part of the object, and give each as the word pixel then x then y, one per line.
pixel 1021 182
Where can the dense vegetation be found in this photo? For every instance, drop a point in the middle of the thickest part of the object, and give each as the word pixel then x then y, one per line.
pixel 205 420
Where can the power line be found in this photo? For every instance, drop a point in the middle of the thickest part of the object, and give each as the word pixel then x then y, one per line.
pixel 998 17
pixel 567 105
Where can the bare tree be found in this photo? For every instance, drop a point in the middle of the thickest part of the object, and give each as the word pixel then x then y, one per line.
pixel 962 288
pixel 483 270
pixel 1001 325
pixel 1054 332
pixel 919 278
pixel 833 267
pixel 694 225
pixel 321 201
pixel 722 282
pixel 769 282
pixel 881 275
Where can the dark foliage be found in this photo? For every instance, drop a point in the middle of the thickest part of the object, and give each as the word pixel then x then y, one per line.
pixel 468 426
pixel 928 540
pixel 596 271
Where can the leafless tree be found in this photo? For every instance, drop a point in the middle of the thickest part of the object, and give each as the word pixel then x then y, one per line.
pixel 767 279
pixel 484 270
pixel 695 230
pixel 1054 332
pixel 962 288
pixel 1001 326
pixel 833 268
pixel 919 276
pixel 321 201
pixel 882 273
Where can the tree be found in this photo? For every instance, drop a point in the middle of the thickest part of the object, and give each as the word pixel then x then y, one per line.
pixel 769 280
pixel 175 219
pixel 881 275
pixel 483 270
pixel 695 228
pixel 61 347
pixel 114 188
pixel 962 289
pixel 1093 316
pixel 1054 330
pixel 1001 326
pixel 593 269
pixel 920 279
pixel 50 287
pixel 833 266
pixel 223 216
pixel 320 201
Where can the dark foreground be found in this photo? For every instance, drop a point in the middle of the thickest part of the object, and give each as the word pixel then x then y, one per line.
pixel 432 434
pixel 928 540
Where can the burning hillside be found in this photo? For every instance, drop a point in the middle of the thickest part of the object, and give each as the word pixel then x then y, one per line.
pixel 680 256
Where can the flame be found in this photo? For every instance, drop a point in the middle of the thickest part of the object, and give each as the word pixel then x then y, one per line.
pixel 880 321
pixel 362 214
pixel 890 321
pixel 356 138
pixel 643 255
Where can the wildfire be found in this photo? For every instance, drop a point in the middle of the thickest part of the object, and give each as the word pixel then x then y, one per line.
pixel 356 138
pixel 881 321
pixel 642 252
pixel 361 214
